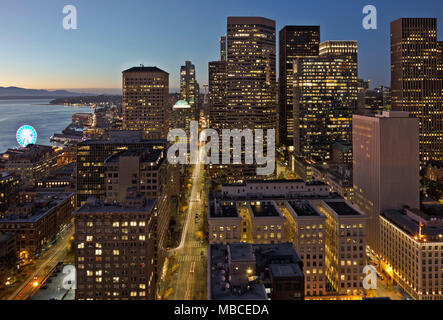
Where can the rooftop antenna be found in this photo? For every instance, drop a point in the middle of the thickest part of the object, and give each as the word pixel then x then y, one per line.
pixel 420 225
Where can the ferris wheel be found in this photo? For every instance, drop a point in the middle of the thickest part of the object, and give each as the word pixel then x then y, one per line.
pixel 26 135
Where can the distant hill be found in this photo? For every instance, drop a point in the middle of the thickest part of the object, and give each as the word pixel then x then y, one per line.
pixel 15 92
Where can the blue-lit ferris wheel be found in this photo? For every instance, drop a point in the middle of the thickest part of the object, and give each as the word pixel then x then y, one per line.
pixel 26 135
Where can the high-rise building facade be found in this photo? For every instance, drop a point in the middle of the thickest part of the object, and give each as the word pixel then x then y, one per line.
pixel 250 101
pixel 144 172
pixel 294 42
pixel 217 94
pixel 385 166
pixel 251 74
pixel 412 250
pixel 31 163
pixel 137 205
pixel 91 156
pixel 308 227
pixel 374 101
pixel 114 250
pixel 223 54
pixel 9 191
pixel 345 49
pixel 141 169
pixel 345 246
pixel 188 86
pixel 416 83
pixel 440 49
pixel 145 101
pixel 325 97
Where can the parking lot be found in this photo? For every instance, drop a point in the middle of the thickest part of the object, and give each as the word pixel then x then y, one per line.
pixel 53 288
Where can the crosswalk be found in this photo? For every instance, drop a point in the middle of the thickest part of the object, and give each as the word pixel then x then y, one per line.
pixel 189 258
pixel 196 244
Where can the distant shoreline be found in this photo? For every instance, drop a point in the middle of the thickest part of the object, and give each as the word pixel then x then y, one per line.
pixel 27 97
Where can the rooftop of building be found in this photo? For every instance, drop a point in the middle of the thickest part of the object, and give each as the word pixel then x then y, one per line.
pixel 303 208
pixel 282 260
pixel 32 152
pixel 392 114
pixel 6 175
pixel 285 253
pixel 429 211
pixel 273 181
pixel 144 69
pixel 6 236
pixel 241 252
pixel 342 208
pixel 261 210
pixel 144 154
pixel 93 205
pixel 220 209
pixel 384 115
pixel 285 270
pixel 250 20
pixel 43 203
pixel 220 286
pixel 66 170
pixel 301 27
pixel 181 104
pixel 125 137
pixel 410 223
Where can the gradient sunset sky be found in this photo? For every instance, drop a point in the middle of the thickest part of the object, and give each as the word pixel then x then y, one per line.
pixel 36 52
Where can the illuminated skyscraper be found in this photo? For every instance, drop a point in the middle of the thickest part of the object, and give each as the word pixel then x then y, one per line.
pixel 416 82
pixel 294 42
pixel 188 86
pixel 223 48
pixel 250 101
pixel 325 97
pixel 217 94
pixel 344 49
pixel 243 90
pixel 440 48
pixel 145 101
pixel 251 73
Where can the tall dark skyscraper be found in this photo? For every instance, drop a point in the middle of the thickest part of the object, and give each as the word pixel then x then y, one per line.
pixel 189 88
pixel 294 42
pixel 217 94
pixel 417 82
pixel 223 48
pixel 325 97
pixel 145 101
pixel 440 49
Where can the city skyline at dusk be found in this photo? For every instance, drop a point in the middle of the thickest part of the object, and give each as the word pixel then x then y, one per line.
pixel 111 38
pixel 216 158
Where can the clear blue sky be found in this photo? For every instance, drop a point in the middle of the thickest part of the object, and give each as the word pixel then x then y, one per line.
pixel 36 52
